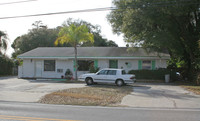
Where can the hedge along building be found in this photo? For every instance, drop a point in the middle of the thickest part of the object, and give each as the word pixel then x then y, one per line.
pixel 52 62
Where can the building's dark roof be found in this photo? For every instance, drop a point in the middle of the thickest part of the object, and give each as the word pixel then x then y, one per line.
pixel 67 52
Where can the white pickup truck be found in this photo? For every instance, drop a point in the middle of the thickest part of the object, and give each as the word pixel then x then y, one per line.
pixel 108 75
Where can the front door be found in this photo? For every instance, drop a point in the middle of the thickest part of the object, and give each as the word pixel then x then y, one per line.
pixel 113 63
pixel 38 72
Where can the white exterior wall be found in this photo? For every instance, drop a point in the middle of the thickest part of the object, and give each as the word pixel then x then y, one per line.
pixel 121 64
pixel 132 65
pixel 64 64
pixel 20 72
pixel 28 70
pixel 103 64
pixel 161 64
pixel 60 64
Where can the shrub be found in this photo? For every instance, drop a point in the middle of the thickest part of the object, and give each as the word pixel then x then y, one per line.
pixel 93 69
pixel 154 74
pixel 6 66
pixel 68 74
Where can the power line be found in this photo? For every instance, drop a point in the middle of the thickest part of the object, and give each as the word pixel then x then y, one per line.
pixel 158 4
pixel 17 2
pixel 66 12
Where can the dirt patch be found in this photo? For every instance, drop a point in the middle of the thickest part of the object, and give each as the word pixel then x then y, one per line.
pixel 194 89
pixel 94 96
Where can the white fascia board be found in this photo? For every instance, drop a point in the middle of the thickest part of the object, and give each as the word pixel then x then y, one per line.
pixel 63 58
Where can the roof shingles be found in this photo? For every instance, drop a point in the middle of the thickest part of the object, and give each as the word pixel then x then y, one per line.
pixel 89 52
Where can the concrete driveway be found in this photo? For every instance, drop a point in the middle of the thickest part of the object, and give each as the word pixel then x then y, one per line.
pixel 143 95
pixel 24 90
pixel 161 96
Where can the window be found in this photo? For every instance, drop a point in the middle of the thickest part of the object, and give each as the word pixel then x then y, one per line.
pixel 103 72
pixel 49 65
pixel 146 64
pixel 60 70
pixel 112 72
pixel 113 63
pixel 84 65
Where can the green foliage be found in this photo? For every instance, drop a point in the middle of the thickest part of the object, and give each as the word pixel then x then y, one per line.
pixel 36 37
pixel 111 43
pixel 74 35
pixel 41 36
pixel 3 41
pixel 93 69
pixel 6 65
pixel 161 25
pixel 17 62
pixel 154 74
pixel 68 72
pixel 99 41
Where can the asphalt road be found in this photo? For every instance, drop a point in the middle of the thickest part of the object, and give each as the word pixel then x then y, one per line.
pixel 14 111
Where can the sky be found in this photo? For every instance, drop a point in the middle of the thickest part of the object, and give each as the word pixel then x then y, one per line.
pixel 19 26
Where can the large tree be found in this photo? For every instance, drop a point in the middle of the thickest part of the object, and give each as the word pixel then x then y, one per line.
pixel 41 36
pixel 38 36
pixel 3 41
pixel 74 35
pixel 99 41
pixel 172 25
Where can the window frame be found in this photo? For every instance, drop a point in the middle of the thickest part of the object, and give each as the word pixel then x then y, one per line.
pixel 113 63
pixel 112 74
pixel 106 72
pixel 147 65
pixel 59 70
pixel 47 69
pixel 88 62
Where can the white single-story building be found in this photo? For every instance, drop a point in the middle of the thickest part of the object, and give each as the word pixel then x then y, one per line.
pixel 52 62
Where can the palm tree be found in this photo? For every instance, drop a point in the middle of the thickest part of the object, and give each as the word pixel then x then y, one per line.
pixel 3 43
pixel 74 35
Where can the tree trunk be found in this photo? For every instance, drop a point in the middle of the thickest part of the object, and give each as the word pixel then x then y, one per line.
pixel 75 49
pixel 198 78
pixel 0 45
